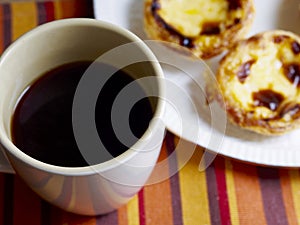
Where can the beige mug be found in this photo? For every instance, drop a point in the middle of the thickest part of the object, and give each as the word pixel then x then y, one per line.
pixel 100 188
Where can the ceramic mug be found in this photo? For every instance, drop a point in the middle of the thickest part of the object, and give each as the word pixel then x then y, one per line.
pixel 100 188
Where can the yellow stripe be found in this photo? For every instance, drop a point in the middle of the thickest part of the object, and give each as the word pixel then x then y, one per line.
pixel 133 211
pixel 194 199
pixel 24 18
pixel 295 184
pixel 58 12
pixel 233 208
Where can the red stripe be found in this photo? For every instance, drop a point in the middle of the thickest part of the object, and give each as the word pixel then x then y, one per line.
pixel 142 207
pixel 50 15
pixel 2 180
pixel 222 190
pixel 55 215
pixel 8 199
pixel 83 8
pixel 46 213
pixel 26 204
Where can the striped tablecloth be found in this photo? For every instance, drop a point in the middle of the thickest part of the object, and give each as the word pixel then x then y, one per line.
pixel 228 192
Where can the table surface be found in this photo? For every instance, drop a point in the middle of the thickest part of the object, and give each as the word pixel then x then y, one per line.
pixel 227 192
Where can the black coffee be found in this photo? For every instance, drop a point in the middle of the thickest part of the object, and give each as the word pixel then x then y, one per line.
pixel 42 121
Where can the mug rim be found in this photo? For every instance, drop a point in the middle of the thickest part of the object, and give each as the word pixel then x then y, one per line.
pixel 104 166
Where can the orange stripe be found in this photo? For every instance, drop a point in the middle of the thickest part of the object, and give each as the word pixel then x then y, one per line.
pixel 248 194
pixel 287 195
pixel 122 216
pixel 157 201
pixel 75 219
pixel 64 8
pixel 161 203
pixel 1 30
pixel 58 11
pixel 68 8
pixel 24 18
pixel 194 198
pixel 77 8
pixel 163 153
pixel 72 8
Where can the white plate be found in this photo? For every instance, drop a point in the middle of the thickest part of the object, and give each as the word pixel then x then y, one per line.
pixel 236 143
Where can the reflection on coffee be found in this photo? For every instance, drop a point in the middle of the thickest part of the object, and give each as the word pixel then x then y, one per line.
pixel 42 121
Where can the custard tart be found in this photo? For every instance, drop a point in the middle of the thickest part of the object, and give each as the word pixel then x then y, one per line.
pixel 205 27
pixel 259 81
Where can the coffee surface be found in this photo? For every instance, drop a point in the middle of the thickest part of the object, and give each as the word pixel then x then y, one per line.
pixel 42 121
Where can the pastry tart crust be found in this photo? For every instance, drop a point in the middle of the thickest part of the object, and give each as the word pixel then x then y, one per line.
pixel 205 27
pixel 259 80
